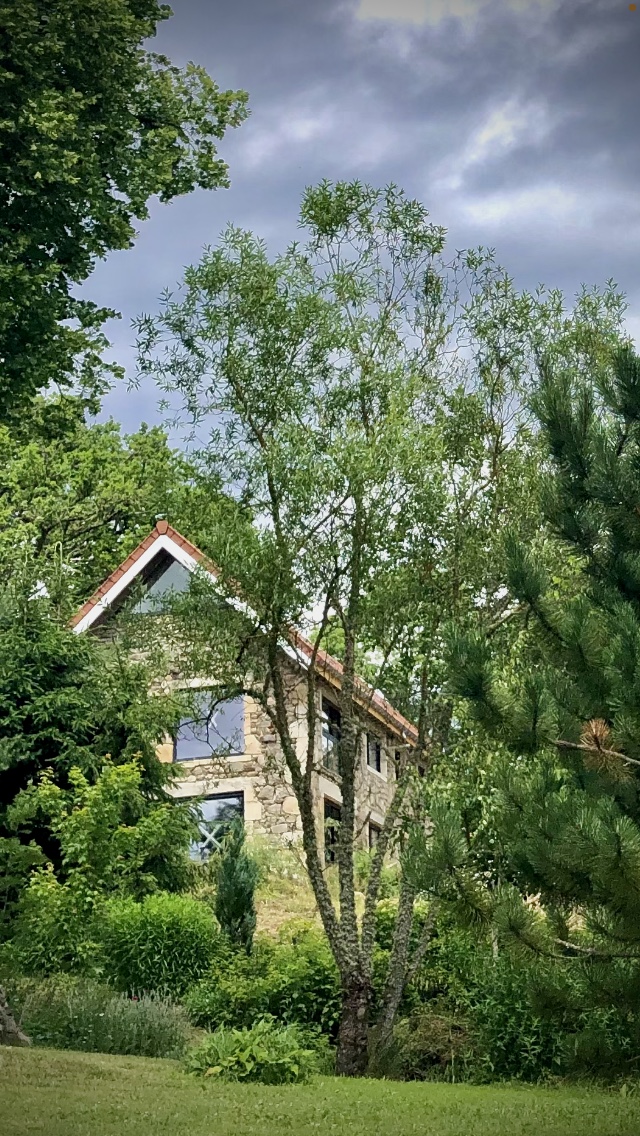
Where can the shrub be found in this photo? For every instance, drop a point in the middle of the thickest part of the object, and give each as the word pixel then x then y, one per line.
pixel 269 1053
pixel 433 1044
pixel 53 931
pixel 79 1013
pixel 165 944
pixel 237 878
pixel 293 979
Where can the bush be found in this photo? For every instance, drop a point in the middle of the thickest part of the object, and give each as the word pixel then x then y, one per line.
pixel 269 1053
pixel 165 944
pixel 433 1044
pixel 492 1001
pixel 79 1013
pixel 53 930
pixel 293 979
pixel 236 879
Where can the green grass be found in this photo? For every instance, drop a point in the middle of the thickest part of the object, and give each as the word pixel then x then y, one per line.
pixel 47 1092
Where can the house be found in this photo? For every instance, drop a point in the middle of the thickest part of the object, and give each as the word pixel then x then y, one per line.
pixel 250 779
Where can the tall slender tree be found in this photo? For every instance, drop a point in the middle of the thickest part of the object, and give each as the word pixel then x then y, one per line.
pixel 363 397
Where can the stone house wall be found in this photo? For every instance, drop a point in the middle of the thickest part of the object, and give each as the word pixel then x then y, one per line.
pixel 260 773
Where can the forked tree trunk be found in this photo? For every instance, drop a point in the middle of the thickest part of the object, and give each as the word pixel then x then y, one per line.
pixel 352 1057
pixel 10 1032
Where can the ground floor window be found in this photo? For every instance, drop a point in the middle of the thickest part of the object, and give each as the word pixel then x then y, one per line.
pixel 218 812
pixel 332 813
pixel 374 835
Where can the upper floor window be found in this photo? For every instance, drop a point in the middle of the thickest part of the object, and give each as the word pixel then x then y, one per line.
pixel 374 753
pixel 330 735
pixel 215 729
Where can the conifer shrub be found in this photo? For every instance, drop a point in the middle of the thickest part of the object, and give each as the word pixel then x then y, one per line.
pixel 164 944
pixel 237 878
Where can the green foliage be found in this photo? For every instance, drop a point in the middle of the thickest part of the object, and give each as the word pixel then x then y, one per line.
pixel 93 126
pixel 237 877
pixel 165 943
pixel 110 838
pixel 385 461
pixel 77 1013
pixel 112 835
pixel 76 495
pixel 293 979
pixel 433 1044
pixel 268 1053
pixel 67 701
pixel 16 863
pixel 54 928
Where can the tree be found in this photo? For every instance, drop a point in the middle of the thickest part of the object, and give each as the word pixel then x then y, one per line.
pixel 66 701
pixel 93 126
pixel 236 881
pixel 566 707
pixel 76 496
pixel 112 840
pixel 364 396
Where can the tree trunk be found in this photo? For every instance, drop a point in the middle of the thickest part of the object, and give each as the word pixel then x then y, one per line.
pixel 10 1032
pixel 353 1034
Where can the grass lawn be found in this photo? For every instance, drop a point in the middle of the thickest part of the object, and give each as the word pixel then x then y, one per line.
pixel 47 1092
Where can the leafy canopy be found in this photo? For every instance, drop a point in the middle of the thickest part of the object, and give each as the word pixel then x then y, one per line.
pixel 93 126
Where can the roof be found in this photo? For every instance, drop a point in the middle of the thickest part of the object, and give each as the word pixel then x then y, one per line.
pixel 165 538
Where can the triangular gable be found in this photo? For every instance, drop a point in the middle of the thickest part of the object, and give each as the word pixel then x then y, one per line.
pixel 165 539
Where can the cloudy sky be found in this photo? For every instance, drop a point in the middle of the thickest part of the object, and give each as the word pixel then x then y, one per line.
pixel 517 122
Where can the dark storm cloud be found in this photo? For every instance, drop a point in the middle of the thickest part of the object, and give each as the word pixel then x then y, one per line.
pixel 516 123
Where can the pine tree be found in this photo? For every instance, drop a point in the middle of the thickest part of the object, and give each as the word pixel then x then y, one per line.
pixel 568 710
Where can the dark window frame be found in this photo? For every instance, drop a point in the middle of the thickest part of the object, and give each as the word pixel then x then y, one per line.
pixel 233 795
pixel 332 812
pixel 373 840
pixel 331 734
pixel 374 761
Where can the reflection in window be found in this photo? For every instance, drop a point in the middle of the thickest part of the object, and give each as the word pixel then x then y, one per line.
pixel 332 815
pixel 330 735
pixel 218 814
pixel 216 728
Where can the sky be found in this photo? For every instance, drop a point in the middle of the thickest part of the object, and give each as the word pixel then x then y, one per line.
pixel 516 122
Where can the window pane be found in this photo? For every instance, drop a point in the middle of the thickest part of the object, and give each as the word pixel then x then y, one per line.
pixel 218 813
pixel 169 577
pixel 374 753
pixel 213 730
pixel 330 735
pixel 331 825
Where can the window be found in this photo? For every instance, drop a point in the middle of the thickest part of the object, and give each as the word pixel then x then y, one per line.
pixel 332 815
pixel 215 728
pixel 374 835
pixel 218 813
pixel 165 577
pixel 330 735
pixel 374 753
